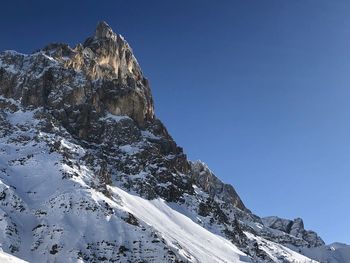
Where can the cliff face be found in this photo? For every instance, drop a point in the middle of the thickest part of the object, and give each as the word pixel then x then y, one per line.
pixel 81 149
pixel 205 179
pixel 294 228
pixel 101 75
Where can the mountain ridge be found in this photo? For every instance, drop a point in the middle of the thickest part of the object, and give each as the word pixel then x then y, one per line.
pixel 86 115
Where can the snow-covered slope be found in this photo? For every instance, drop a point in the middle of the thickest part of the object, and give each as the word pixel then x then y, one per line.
pixel 278 252
pixel 333 253
pixel 49 211
pixel 52 216
pixel 89 174
pixel 7 258
pixel 196 243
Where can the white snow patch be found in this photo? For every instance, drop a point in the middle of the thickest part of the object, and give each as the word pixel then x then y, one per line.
pixel 7 258
pixel 72 147
pixel 149 135
pixel 110 116
pixel 22 117
pixel 129 149
pixel 9 68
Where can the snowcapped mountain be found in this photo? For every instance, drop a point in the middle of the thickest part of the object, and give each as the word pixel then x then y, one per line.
pixel 89 174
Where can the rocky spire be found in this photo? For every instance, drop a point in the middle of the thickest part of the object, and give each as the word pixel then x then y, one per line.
pixel 110 77
pixel 103 30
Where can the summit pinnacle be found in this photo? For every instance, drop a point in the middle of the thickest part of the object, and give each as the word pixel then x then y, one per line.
pixel 103 30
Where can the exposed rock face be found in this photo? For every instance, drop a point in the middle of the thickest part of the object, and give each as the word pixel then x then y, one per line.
pixel 294 228
pixel 103 71
pixel 204 178
pixel 78 123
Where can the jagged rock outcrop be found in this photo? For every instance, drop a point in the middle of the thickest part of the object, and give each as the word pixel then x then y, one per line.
pixel 294 228
pixel 103 71
pixel 204 178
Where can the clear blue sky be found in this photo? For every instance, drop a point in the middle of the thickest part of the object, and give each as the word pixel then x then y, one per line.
pixel 259 90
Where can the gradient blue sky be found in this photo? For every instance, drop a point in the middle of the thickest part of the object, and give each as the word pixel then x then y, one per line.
pixel 259 90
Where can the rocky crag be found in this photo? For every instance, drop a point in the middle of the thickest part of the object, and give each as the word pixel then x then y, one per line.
pixel 81 149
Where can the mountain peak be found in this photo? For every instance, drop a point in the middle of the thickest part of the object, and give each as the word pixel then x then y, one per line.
pixel 103 30
pixel 80 146
pixel 110 78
